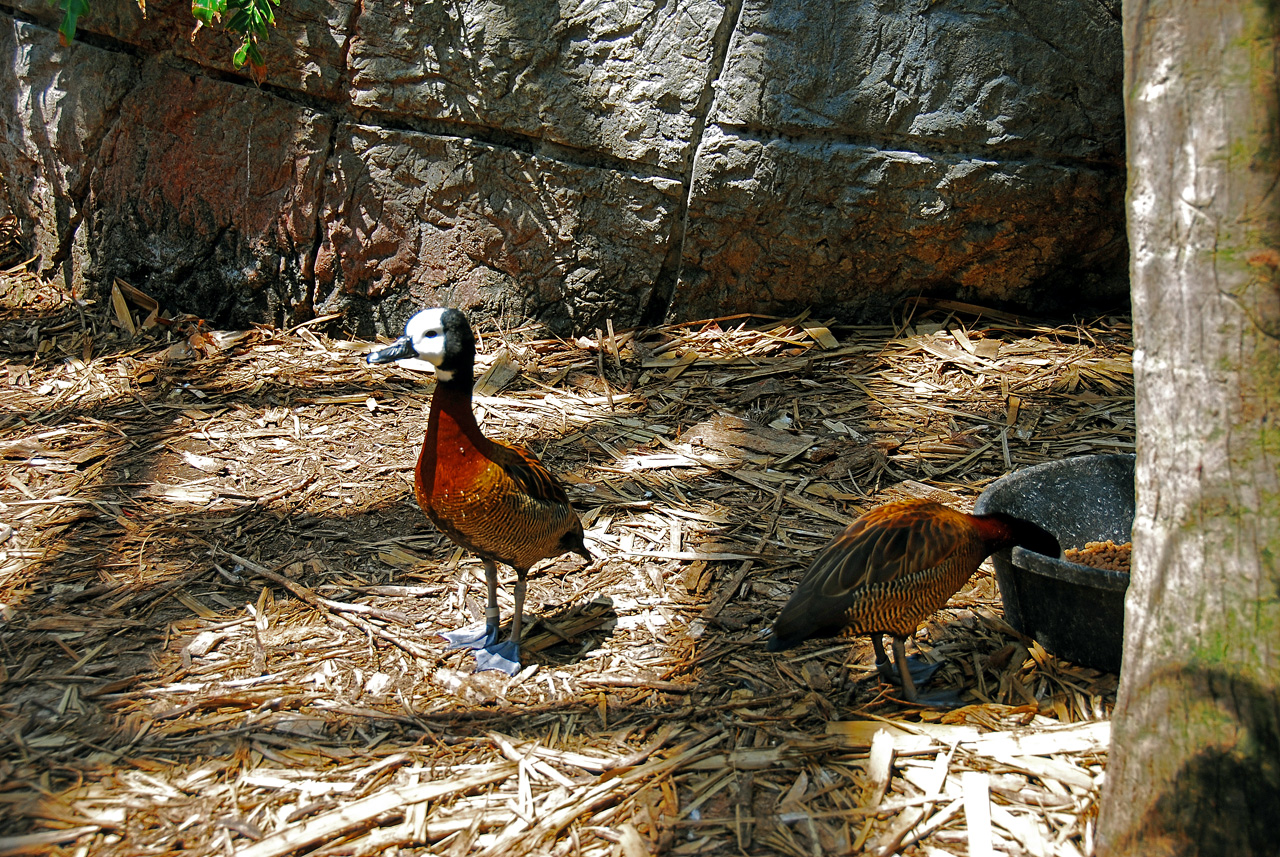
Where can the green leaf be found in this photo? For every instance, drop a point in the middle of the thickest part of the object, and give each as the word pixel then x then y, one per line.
pixel 206 11
pixel 265 12
pixel 241 53
pixel 71 12
pixel 257 65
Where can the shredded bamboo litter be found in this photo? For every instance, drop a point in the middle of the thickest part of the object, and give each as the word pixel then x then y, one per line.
pixel 219 603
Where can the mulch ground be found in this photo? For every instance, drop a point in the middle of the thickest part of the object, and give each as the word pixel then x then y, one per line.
pixel 219 603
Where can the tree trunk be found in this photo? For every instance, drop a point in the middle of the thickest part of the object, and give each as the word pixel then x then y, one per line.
pixel 1195 757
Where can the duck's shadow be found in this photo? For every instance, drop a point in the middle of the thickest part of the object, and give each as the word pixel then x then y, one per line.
pixel 567 629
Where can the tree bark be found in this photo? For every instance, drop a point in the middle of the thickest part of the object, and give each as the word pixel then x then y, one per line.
pixel 1195 757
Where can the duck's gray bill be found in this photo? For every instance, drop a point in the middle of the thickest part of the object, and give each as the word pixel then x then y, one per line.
pixel 398 350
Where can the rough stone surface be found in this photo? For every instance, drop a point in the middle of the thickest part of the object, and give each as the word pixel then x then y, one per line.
pixel 991 79
pixel 413 219
pixel 617 78
pixel 611 159
pixel 853 226
pixel 187 205
pixel 304 52
pixel 857 151
pixel 58 104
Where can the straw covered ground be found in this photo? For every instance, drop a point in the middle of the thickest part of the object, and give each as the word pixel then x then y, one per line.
pixel 219 602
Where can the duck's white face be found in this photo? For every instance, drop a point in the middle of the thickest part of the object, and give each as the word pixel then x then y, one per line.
pixel 426 332
pixel 440 336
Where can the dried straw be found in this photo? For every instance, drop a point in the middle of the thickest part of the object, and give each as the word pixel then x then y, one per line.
pixel 219 601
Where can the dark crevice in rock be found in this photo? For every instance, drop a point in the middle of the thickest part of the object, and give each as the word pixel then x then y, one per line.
pixel 309 281
pixel 53 19
pixel 665 283
pixel 117 46
pixel 65 244
pixel 293 96
pixel 513 140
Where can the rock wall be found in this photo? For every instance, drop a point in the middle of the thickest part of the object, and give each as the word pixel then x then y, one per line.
pixel 634 161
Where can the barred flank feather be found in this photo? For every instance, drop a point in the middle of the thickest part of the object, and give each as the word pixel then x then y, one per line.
pixel 893 568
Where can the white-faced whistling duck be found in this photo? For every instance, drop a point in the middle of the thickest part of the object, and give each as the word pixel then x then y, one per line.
pixel 891 569
pixel 496 500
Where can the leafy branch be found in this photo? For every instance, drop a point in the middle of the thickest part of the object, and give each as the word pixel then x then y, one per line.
pixel 249 18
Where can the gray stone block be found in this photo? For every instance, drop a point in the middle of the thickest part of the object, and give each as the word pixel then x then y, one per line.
pixel 414 220
pixel 991 79
pixel 607 77
pixel 64 102
pixel 775 226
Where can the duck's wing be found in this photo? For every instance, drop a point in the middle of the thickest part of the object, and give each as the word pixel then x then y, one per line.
pixel 529 474
pixel 886 544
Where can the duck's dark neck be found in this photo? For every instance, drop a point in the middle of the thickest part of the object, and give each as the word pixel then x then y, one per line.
pixel 452 424
pixel 1000 531
pixel 995 530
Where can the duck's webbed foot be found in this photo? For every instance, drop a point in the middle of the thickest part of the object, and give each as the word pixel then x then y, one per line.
pixel 499 656
pixel 467 638
pixel 940 699
pixel 918 669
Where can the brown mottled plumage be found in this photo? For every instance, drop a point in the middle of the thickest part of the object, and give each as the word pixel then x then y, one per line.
pixel 493 499
pixel 891 569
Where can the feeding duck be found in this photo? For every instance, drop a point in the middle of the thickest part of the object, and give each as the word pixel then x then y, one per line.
pixel 891 569
pixel 494 499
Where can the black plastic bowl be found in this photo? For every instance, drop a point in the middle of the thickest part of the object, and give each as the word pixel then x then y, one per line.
pixel 1074 611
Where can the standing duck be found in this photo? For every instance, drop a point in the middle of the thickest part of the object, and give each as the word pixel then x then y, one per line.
pixel 891 569
pixel 493 499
